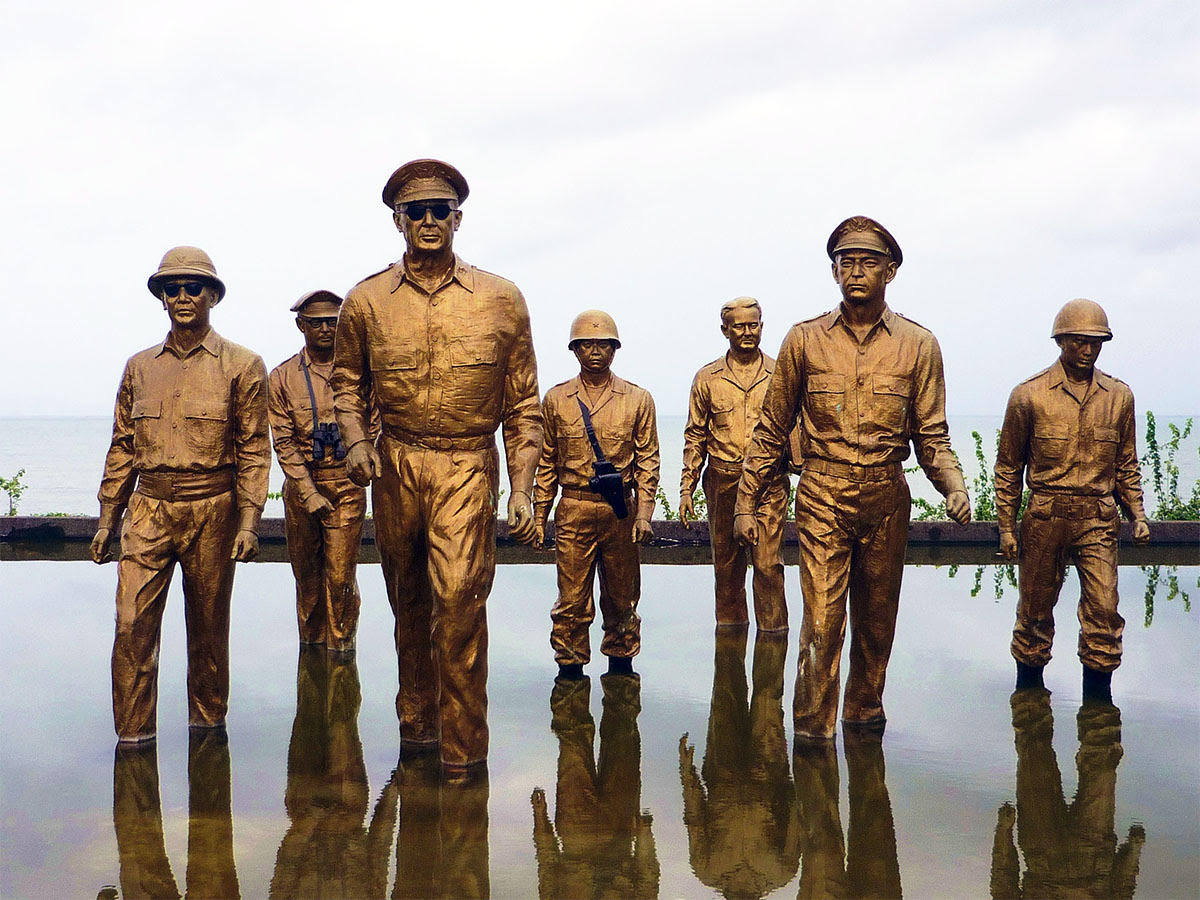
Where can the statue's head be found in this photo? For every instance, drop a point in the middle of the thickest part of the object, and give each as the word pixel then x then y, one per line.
pixel 424 197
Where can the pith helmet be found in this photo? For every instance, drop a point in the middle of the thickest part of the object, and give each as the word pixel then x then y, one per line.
pixel 186 262
pixel 425 179
pixel 862 233
pixel 593 325
pixel 315 297
pixel 1082 317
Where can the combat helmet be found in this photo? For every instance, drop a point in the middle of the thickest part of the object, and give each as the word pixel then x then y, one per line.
pixel 593 324
pixel 1083 317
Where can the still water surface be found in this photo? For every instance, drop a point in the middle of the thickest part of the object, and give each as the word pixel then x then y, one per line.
pixel 680 783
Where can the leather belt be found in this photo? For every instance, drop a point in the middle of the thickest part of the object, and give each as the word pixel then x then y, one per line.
pixel 885 472
pixel 727 468
pixel 185 485
pixel 438 442
pixel 1070 506
pixel 587 494
pixel 328 473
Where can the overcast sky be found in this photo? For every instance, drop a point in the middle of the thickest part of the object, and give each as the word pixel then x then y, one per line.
pixel 650 159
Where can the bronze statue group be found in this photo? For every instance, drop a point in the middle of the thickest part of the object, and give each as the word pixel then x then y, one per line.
pixel 403 385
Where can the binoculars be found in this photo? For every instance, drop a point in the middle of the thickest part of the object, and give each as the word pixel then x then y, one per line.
pixel 327 438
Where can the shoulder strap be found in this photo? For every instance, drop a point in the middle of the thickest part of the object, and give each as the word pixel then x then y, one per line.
pixel 312 398
pixel 591 432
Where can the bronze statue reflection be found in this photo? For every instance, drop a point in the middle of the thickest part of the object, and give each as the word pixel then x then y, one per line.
pixel 743 830
pixel 600 843
pixel 137 820
pixel 1070 850
pixel 327 851
pixel 866 865
pixel 442 844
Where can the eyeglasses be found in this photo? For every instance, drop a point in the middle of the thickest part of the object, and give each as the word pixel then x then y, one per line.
pixel 416 211
pixel 193 288
pixel 318 322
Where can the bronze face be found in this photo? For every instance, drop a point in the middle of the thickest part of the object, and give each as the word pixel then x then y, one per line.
pixel 595 356
pixel 863 276
pixel 318 323
pixel 188 301
pixel 1079 354
pixel 424 232
pixel 743 329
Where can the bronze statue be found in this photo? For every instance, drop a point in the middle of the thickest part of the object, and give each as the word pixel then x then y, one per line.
pixel 1070 431
pixel 190 431
pixel 600 446
pixel 726 398
pixel 1069 850
pixel 864 383
pixel 323 508
pixel 741 817
pixel 601 841
pixel 444 349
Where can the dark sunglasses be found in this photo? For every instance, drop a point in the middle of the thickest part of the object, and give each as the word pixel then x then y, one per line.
pixel 316 322
pixel 193 288
pixel 416 211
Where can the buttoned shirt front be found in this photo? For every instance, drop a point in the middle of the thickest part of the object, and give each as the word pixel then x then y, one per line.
pixel 290 411
pixel 623 419
pixel 722 413
pixel 859 403
pixel 454 363
pixel 197 411
pixel 1068 439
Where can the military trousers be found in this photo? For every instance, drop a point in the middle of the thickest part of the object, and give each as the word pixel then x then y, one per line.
pixel 590 539
pixel 853 534
pixel 435 525
pixel 199 535
pixel 1055 531
pixel 324 555
pixel 730 558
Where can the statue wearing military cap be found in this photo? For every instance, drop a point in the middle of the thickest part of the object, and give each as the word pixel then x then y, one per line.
pixel 864 386
pixel 444 350
pixel 189 458
pixel 1069 433
pixel 600 448
pixel 323 509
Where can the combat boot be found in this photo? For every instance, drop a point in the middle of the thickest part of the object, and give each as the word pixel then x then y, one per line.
pixel 1097 685
pixel 1029 676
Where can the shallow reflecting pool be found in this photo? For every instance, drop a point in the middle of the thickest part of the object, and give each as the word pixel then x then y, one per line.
pixel 681 782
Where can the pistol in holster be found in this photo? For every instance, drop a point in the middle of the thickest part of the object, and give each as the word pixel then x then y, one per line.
pixel 607 482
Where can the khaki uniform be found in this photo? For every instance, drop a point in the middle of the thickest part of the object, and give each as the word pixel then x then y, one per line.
pixel 722 414
pixel 1079 454
pixel 600 843
pixel 1070 850
pixel 446 370
pixel 859 406
pixel 323 551
pixel 743 830
pixel 190 430
pixel 588 536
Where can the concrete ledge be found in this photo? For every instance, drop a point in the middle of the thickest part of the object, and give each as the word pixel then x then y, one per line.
pixel 929 543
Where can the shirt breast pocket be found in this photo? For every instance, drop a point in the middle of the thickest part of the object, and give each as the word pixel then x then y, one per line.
pixel 826 395
pixel 146 415
pixel 393 371
pixel 1105 441
pixel 721 415
pixel 891 396
pixel 574 446
pixel 1050 441
pixel 205 424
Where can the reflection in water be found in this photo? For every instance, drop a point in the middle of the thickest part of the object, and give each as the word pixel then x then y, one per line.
pixel 871 867
pixel 743 828
pixel 137 819
pixel 1070 850
pixel 327 852
pixel 600 843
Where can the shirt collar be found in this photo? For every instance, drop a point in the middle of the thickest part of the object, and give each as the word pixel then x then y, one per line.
pixel 1058 377
pixel 463 273
pixel 211 343
pixel 886 319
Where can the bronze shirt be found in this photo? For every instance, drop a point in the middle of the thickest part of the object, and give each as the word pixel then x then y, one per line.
pixel 625 425
pixel 722 414
pixel 196 412
pixel 857 403
pixel 1068 445
pixel 455 363
pixel 290 412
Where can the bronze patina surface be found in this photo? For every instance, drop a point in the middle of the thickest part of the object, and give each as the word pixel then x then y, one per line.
pixel 323 508
pixel 590 539
pixel 863 383
pixel 723 408
pixel 190 434
pixel 1069 431
pixel 445 352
